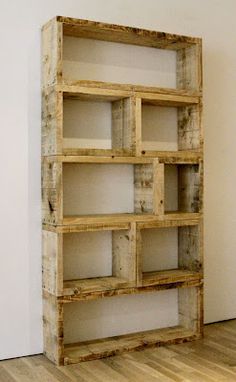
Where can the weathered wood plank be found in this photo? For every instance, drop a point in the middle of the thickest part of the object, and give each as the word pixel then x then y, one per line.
pixel 124 254
pixel 53 332
pixel 52 41
pixel 52 199
pixel 169 276
pixel 120 291
pixel 116 345
pixel 123 125
pixel 124 34
pixel 189 67
pixel 52 122
pixel 53 262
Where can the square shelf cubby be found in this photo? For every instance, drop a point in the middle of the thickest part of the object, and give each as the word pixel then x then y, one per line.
pixel 169 253
pixel 84 121
pixel 89 260
pixel 170 124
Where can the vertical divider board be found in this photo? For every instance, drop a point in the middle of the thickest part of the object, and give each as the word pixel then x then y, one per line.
pixel 126 101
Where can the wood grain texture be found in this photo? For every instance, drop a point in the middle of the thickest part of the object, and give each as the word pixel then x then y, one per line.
pixel 52 41
pixel 124 34
pixel 53 328
pixel 53 262
pixel 52 192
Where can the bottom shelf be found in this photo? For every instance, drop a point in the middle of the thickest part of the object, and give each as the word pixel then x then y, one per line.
pixel 90 350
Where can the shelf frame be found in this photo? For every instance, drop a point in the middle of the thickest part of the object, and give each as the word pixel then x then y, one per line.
pixel 126 100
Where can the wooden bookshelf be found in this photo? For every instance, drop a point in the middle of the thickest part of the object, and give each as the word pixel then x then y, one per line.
pixel 61 152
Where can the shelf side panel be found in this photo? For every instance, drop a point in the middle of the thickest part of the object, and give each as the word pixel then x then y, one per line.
pixel 53 331
pixel 191 309
pixel 190 127
pixel 52 206
pixel 189 188
pixel 52 122
pixel 123 125
pixel 190 248
pixel 124 254
pixel 146 192
pixel 52 40
pixel 53 263
pixel 189 67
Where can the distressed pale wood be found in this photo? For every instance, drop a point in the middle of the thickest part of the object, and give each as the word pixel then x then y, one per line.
pixel 134 88
pixel 149 188
pixel 53 262
pixel 99 159
pixel 127 274
pixel 53 331
pixel 174 157
pixel 158 188
pixel 191 309
pixel 96 284
pixel 124 218
pixel 92 294
pixel 190 128
pixel 52 193
pixel 189 67
pixel 190 248
pixel 123 125
pixel 112 346
pixel 52 121
pixel 124 34
pixel 52 42
pixel 189 188
pixel 124 254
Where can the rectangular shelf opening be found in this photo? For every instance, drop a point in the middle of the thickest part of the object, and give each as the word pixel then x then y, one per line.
pixel 98 261
pixel 100 189
pixel 182 188
pixel 97 124
pixel 170 127
pixel 169 255
pixel 88 336
pixel 96 60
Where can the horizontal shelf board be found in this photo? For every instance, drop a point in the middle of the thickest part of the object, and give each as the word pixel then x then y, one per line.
pixel 92 295
pixel 69 151
pixel 124 34
pixel 122 221
pixel 169 276
pixel 131 88
pixel 91 286
pixel 167 99
pixel 151 96
pixel 100 159
pixel 109 226
pixel 72 155
pixel 97 284
pixel 118 218
pixel 106 347
pixel 87 227
pixel 177 157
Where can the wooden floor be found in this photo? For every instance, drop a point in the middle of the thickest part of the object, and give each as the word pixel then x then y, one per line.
pixel 210 359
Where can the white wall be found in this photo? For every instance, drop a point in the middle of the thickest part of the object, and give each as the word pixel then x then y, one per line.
pixel 20 266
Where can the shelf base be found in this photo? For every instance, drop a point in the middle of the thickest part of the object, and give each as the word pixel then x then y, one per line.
pixel 91 350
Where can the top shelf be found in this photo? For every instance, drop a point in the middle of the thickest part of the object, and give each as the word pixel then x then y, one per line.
pixel 123 34
pixel 64 60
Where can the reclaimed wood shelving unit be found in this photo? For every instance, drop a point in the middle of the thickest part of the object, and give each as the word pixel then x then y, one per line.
pixel 149 212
